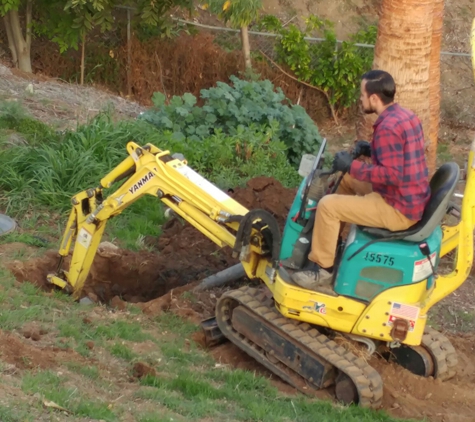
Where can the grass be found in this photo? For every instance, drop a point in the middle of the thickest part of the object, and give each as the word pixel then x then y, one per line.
pixel 443 152
pixel 158 417
pixel 26 238
pixel 14 119
pixel 100 333
pixel 189 385
pixel 220 393
pixel 90 372
pixel 15 413
pixel 120 350
pixel 52 387
pixel 144 218
pixel 27 303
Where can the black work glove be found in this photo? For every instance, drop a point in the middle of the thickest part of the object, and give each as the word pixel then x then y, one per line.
pixel 342 161
pixel 362 148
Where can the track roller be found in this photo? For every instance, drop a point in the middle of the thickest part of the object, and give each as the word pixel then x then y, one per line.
pixel 435 356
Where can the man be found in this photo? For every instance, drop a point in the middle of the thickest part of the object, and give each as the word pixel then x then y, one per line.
pixel 390 193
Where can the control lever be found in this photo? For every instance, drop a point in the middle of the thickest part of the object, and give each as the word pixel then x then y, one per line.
pixel 424 248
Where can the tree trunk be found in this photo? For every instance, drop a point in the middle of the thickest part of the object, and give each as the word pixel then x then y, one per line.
pixel 434 88
pixel 129 56
pixel 83 57
pixel 17 42
pixel 246 48
pixel 11 44
pixel 403 48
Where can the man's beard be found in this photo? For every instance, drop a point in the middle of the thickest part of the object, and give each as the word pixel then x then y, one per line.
pixel 369 110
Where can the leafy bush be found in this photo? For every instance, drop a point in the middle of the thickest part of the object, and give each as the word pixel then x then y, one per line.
pixel 229 109
pixel 335 69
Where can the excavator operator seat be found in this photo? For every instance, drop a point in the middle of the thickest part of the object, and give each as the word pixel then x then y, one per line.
pixel 442 187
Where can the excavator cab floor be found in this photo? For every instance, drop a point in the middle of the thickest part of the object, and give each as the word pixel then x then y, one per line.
pixel 286 276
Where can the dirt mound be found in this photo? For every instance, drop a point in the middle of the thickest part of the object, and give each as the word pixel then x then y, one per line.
pixel 268 194
pixel 24 355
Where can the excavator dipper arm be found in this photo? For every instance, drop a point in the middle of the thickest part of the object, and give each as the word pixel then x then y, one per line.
pixel 150 171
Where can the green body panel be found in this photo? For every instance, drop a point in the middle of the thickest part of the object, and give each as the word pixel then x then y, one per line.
pixel 292 230
pixel 383 264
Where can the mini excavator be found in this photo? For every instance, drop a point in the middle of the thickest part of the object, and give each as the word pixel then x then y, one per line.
pixel 384 282
pixel 383 287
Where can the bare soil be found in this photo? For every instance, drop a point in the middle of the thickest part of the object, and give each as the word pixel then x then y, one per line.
pixel 60 104
pixel 157 282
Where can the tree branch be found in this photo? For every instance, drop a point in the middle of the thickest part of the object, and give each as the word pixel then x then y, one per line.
pixel 304 83
pixel 161 74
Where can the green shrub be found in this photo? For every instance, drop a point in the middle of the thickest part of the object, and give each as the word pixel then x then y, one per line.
pixel 229 108
pixel 334 68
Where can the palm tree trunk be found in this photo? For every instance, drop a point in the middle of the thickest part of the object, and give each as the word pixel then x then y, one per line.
pixel 434 88
pixel 403 48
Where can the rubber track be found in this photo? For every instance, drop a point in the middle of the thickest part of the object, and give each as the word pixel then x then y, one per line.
pixel 444 354
pixel 367 380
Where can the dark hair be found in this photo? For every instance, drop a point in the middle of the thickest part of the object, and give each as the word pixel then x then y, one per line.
pixel 380 83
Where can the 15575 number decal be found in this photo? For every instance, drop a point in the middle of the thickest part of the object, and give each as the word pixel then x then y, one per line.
pixel 379 258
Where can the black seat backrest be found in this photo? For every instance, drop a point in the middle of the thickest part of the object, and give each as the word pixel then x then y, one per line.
pixel 442 185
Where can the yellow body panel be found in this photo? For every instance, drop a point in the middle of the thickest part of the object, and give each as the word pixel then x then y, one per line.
pixel 374 321
pixel 338 313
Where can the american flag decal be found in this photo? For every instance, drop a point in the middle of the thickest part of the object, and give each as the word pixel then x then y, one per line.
pixel 405 311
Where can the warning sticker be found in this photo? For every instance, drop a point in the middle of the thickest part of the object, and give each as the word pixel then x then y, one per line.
pixel 423 269
pixel 407 312
pixel 84 238
pixel 202 183
pixel 318 307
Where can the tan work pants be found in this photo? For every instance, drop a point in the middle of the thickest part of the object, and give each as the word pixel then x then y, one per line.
pixel 354 202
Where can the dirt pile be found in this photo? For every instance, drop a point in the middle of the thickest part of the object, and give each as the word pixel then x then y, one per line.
pixel 268 194
pixel 27 355
pixel 181 255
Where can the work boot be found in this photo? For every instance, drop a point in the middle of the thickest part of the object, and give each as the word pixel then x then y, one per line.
pixel 312 276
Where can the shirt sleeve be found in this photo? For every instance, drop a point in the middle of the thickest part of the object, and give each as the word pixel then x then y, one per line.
pixel 389 155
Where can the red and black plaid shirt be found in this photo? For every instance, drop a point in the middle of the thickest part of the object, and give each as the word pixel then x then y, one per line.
pixel 399 171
